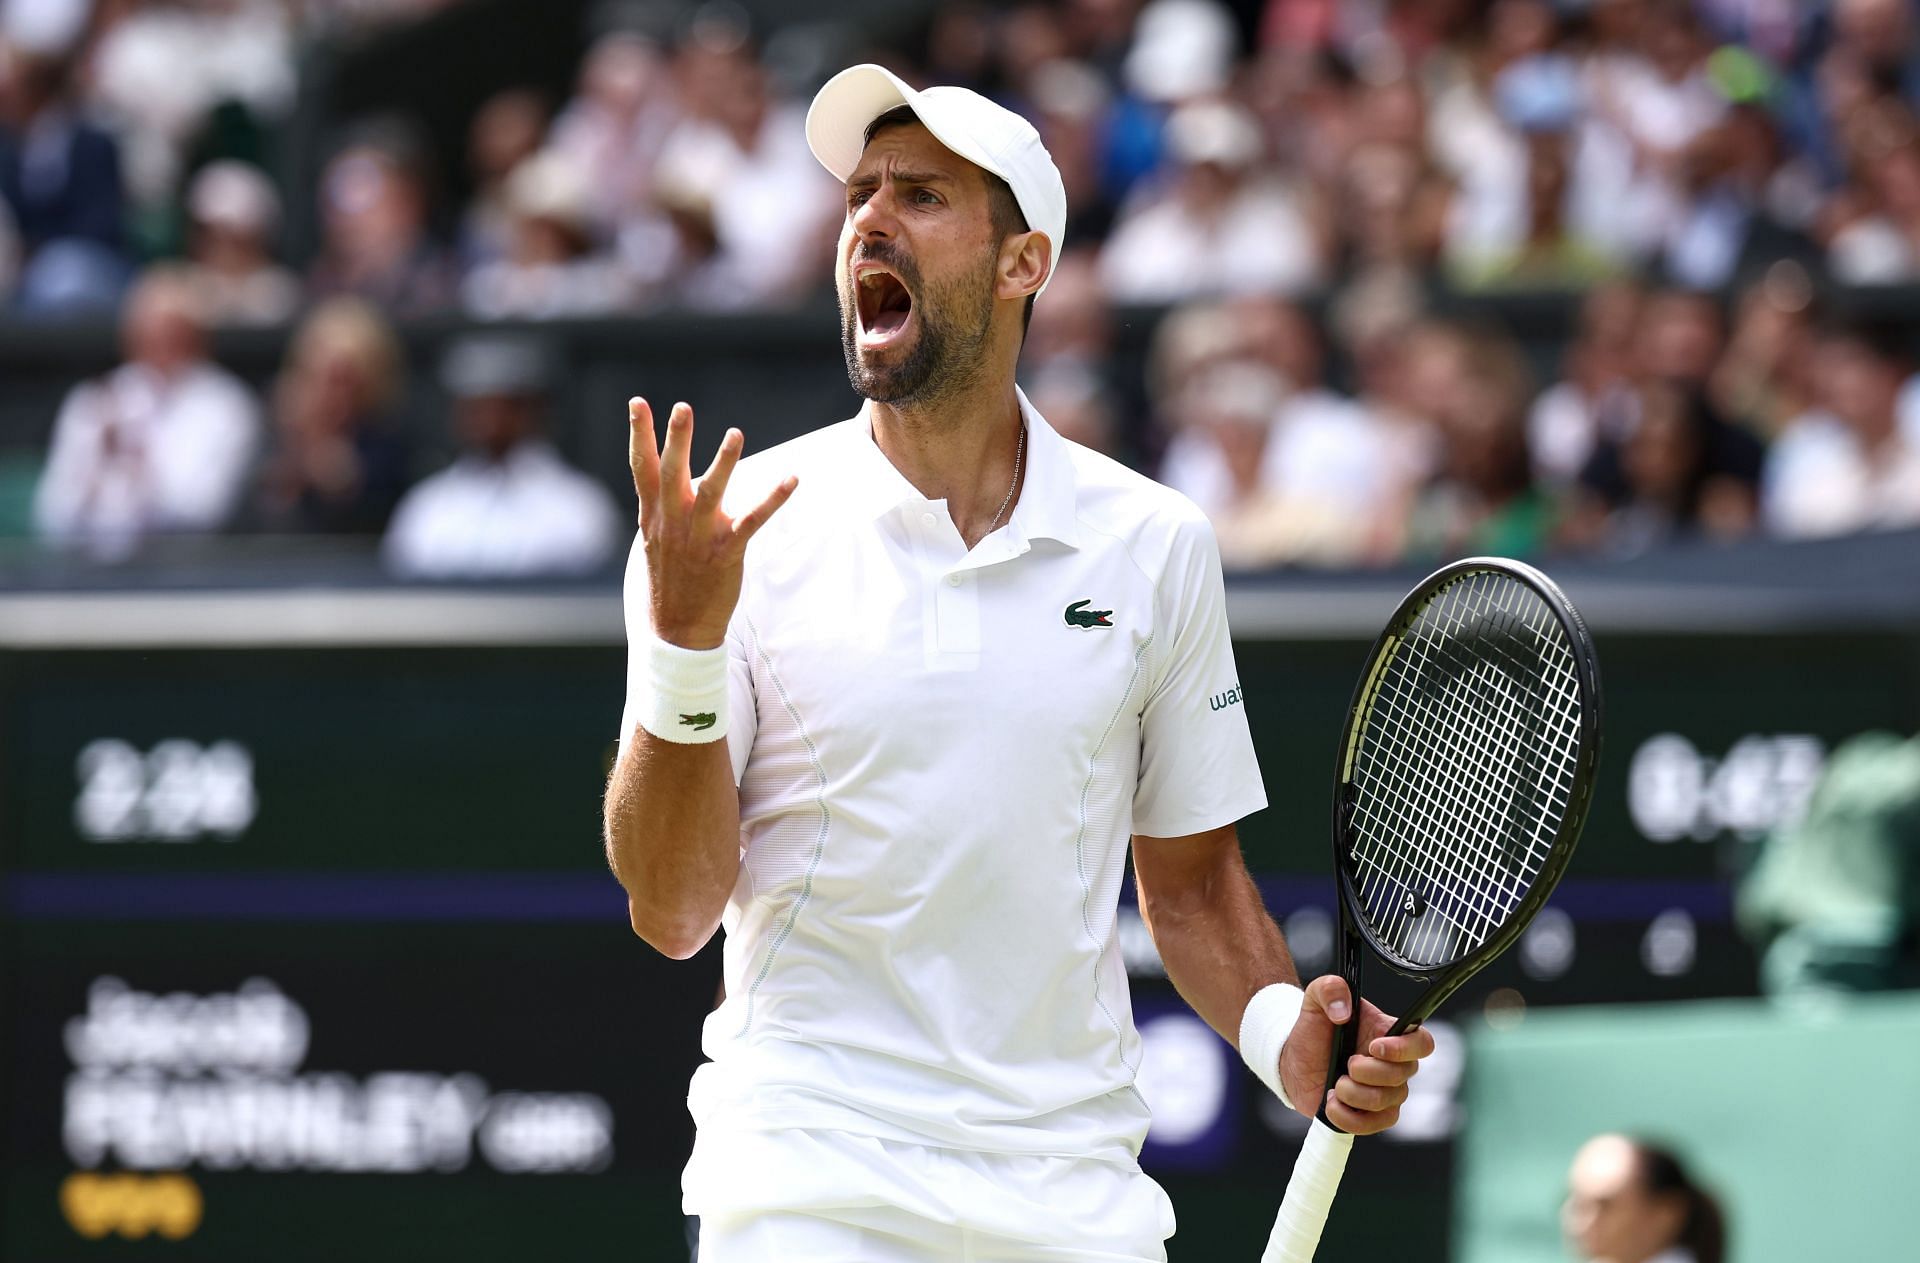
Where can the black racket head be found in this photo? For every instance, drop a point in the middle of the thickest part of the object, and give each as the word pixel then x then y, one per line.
pixel 1466 768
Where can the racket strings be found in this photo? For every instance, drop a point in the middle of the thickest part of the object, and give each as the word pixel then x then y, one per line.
pixel 1465 767
pixel 1480 724
pixel 1475 712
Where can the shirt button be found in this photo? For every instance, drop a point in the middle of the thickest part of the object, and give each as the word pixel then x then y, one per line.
pixel 953 580
pixel 929 519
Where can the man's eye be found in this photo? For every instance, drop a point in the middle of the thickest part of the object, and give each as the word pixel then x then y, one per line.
pixel 927 196
pixel 857 199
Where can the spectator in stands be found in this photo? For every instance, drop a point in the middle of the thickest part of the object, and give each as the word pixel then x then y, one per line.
pixel 1878 240
pixel 755 212
pixel 1189 344
pixel 509 507
pixel 1595 392
pixel 157 73
pixel 1659 484
pixel 1072 110
pixel 60 178
pixel 1479 150
pixel 1870 65
pixel 1847 466
pixel 1332 461
pixel 1378 320
pixel 1075 323
pixel 1765 376
pixel 1737 209
pixel 1679 336
pixel 1629 1201
pixel 1223 224
pixel 1076 402
pixel 339 461
pixel 622 111
pixel 1677 343
pixel 1072 340
pixel 1390 202
pixel 161 444
pixel 506 131
pixel 1484 499
pixel 234 213
pixel 1648 98
pixel 1536 242
pixel 550 268
pixel 1182 51
pixel 375 243
pixel 1229 411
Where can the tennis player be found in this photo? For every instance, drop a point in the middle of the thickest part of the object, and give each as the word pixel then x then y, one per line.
pixel 901 693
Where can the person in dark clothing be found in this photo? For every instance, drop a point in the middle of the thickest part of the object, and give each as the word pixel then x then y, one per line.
pixel 1679 471
pixel 60 178
pixel 339 462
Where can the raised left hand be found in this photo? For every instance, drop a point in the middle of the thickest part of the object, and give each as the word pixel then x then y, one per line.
pixel 1368 1097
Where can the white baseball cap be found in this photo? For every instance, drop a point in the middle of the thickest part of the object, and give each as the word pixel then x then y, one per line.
pixel 990 136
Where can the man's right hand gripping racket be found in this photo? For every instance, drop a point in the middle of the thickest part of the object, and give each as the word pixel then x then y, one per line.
pixel 1464 778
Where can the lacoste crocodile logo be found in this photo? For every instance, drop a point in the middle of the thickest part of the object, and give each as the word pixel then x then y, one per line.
pixel 1078 615
pixel 699 723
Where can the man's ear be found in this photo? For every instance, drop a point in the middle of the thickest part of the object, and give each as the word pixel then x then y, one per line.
pixel 1024 260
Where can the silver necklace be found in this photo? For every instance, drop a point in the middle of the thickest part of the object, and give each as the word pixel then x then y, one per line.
pixel 1019 453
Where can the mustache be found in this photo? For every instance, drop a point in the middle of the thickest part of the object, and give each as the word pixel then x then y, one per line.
pixel 891 255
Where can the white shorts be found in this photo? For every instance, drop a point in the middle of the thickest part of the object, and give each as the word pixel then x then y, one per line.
pixel 834 1197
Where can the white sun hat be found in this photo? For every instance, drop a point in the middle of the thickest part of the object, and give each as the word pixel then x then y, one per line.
pixel 990 136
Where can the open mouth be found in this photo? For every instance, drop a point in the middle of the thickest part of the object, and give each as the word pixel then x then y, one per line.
pixel 885 306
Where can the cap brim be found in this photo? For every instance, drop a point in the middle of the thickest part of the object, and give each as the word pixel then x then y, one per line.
pixel 838 118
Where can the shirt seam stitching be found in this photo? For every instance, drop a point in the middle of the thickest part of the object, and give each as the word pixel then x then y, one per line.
pixel 820 841
pixel 1079 852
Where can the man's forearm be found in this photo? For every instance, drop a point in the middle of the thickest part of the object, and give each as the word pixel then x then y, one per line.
pixel 1218 943
pixel 673 839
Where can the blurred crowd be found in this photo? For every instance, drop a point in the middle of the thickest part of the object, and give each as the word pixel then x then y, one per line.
pixel 1290 182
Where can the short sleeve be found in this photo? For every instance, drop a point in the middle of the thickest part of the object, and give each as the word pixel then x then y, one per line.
pixel 741 720
pixel 1197 766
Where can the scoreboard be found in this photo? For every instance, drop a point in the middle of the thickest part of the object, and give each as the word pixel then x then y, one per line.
pixel 309 946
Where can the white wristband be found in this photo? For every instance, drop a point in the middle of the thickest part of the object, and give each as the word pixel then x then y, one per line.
pixel 687 695
pixel 1264 1028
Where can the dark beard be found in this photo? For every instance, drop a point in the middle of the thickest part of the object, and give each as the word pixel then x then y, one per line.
pixel 950 348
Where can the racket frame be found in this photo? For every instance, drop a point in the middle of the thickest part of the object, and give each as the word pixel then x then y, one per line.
pixel 1442 980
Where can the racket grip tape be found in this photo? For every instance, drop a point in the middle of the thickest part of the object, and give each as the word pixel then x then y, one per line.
pixel 1303 1212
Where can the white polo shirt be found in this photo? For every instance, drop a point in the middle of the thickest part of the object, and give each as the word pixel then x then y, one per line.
pixel 942 755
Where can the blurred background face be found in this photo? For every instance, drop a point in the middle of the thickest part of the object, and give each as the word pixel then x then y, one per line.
pixel 621 73
pixel 1662 454
pixel 344 365
pixel 1432 373
pixel 1679 337
pixel 1609 1215
pixel 1857 385
pixel 1516 29
pixel 373 208
pixel 161 328
pixel 506 131
pixel 1877 28
pixel 493 425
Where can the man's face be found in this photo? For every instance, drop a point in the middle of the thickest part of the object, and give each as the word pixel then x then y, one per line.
pixel 915 270
pixel 493 424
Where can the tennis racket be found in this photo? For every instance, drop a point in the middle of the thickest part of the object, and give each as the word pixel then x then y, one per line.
pixel 1464 777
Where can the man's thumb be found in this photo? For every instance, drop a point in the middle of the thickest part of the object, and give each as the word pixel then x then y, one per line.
pixel 1329 994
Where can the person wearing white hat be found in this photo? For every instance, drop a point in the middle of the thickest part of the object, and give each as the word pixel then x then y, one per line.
pixel 901 693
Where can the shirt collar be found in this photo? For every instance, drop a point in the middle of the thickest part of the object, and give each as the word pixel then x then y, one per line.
pixel 1048 505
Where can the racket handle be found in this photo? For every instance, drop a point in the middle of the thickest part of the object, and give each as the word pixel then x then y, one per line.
pixel 1303 1212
